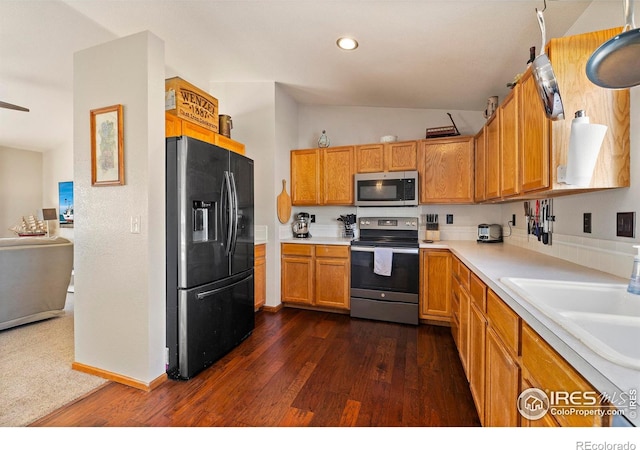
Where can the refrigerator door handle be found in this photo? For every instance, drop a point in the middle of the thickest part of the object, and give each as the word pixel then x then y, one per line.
pixel 227 187
pixel 235 214
pixel 205 294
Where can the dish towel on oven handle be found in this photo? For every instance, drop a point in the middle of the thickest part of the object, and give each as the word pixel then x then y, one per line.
pixel 382 261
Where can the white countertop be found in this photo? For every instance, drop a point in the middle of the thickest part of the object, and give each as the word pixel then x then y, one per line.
pixel 491 262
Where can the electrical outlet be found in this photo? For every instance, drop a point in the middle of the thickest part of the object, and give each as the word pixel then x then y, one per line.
pixel 626 224
pixel 513 220
pixel 313 218
pixel 449 219
pixel 586 223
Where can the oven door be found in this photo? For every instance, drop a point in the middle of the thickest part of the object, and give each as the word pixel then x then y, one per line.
pixel 401 286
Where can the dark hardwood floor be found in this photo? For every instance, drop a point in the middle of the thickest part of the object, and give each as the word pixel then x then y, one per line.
pixel 302 368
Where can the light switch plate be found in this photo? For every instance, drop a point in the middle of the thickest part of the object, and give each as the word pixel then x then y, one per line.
pixel 626 224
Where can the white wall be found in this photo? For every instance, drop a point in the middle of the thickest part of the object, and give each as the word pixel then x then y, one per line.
pixel 119 276
pixel 350 125
pixel 252 107
pixel 20 187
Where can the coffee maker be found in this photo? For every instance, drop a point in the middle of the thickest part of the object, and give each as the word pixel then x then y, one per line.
pixel 300 225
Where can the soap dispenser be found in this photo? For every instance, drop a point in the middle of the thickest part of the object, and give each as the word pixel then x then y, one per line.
pixel 634 282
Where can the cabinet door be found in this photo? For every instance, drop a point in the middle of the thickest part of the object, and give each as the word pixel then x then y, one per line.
pixel 493 183
pixel 509 154
pixel 435 285
pixel 480 166
pixel 297 279
pixel 401 156
pixel 260 276
pixel 370 158
pixel 305 177
pixel 533 137
pixel 463 338
pixel 332 283
pixel 477 335
pixel 501 386
pixel 338 170
pixel 445 167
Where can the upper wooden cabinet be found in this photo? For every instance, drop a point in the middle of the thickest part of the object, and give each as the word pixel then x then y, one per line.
pixel 322 176
pixel 337 174
pixel 610 107
pixel 509 149
pixel 306 176
pixel 533 137
pixel 480 194
pixel 445 168
pixel 370 158
pixel 395 156
pixel 523 148
pixel 492 158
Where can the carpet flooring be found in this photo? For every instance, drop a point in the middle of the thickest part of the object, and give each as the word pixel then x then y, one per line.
pixel 35 370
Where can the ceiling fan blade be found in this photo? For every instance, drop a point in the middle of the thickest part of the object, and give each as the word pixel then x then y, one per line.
pixel 10 106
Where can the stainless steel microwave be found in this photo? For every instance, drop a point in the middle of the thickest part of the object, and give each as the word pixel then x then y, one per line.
pixel 386 189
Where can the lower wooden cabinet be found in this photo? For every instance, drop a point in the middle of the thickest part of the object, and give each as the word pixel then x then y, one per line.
pixel 545 369
pixel 502 356
pixel 477 357
pixel 260 276
pixel 502 384
pixel 297 273
pixel 316 275
pixel 435 285
pixel 332 267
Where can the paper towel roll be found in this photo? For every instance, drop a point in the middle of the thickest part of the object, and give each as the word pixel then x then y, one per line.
pixel 584 146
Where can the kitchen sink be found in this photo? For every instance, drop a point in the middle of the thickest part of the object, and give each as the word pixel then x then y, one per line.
pixel 601 298
pixel 605 317
pixel 616 337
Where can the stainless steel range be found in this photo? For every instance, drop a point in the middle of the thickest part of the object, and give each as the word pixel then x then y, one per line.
pixel 385 273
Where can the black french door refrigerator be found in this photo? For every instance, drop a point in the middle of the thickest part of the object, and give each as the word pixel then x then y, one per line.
pixel 210 238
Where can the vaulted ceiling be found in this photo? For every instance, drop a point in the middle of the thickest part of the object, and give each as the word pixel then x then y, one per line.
pixel 450 54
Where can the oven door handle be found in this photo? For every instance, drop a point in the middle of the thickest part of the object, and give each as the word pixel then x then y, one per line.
pixel 410 251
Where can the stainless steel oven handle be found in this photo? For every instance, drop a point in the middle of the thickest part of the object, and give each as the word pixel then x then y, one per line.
pixel 410 251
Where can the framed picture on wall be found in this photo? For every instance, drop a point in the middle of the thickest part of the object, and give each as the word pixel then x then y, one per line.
pixel 107 152
pixel 65 201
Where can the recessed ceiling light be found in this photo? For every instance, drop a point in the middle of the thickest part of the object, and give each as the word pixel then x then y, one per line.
pixel 347 43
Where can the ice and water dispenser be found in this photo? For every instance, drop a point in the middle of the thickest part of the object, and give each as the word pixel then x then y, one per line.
pixel 204 222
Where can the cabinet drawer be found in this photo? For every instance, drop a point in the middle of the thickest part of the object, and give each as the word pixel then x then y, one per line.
pixel 464 274
pixel 504 321
pixel 478 292
pixel 332 251
pixel 259 251
pixel 297 249
pixel 455 268
pixel 550 372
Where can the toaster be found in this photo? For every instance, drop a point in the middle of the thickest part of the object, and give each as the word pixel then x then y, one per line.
pixel 489 232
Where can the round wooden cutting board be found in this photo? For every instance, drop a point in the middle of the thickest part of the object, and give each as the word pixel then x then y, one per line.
pixel 284 204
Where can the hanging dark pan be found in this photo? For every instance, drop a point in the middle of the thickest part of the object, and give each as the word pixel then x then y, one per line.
pixel 616 63
pixel 546 78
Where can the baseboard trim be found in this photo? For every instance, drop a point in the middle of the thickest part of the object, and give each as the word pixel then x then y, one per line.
pixel 272 309
pixel 127 381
